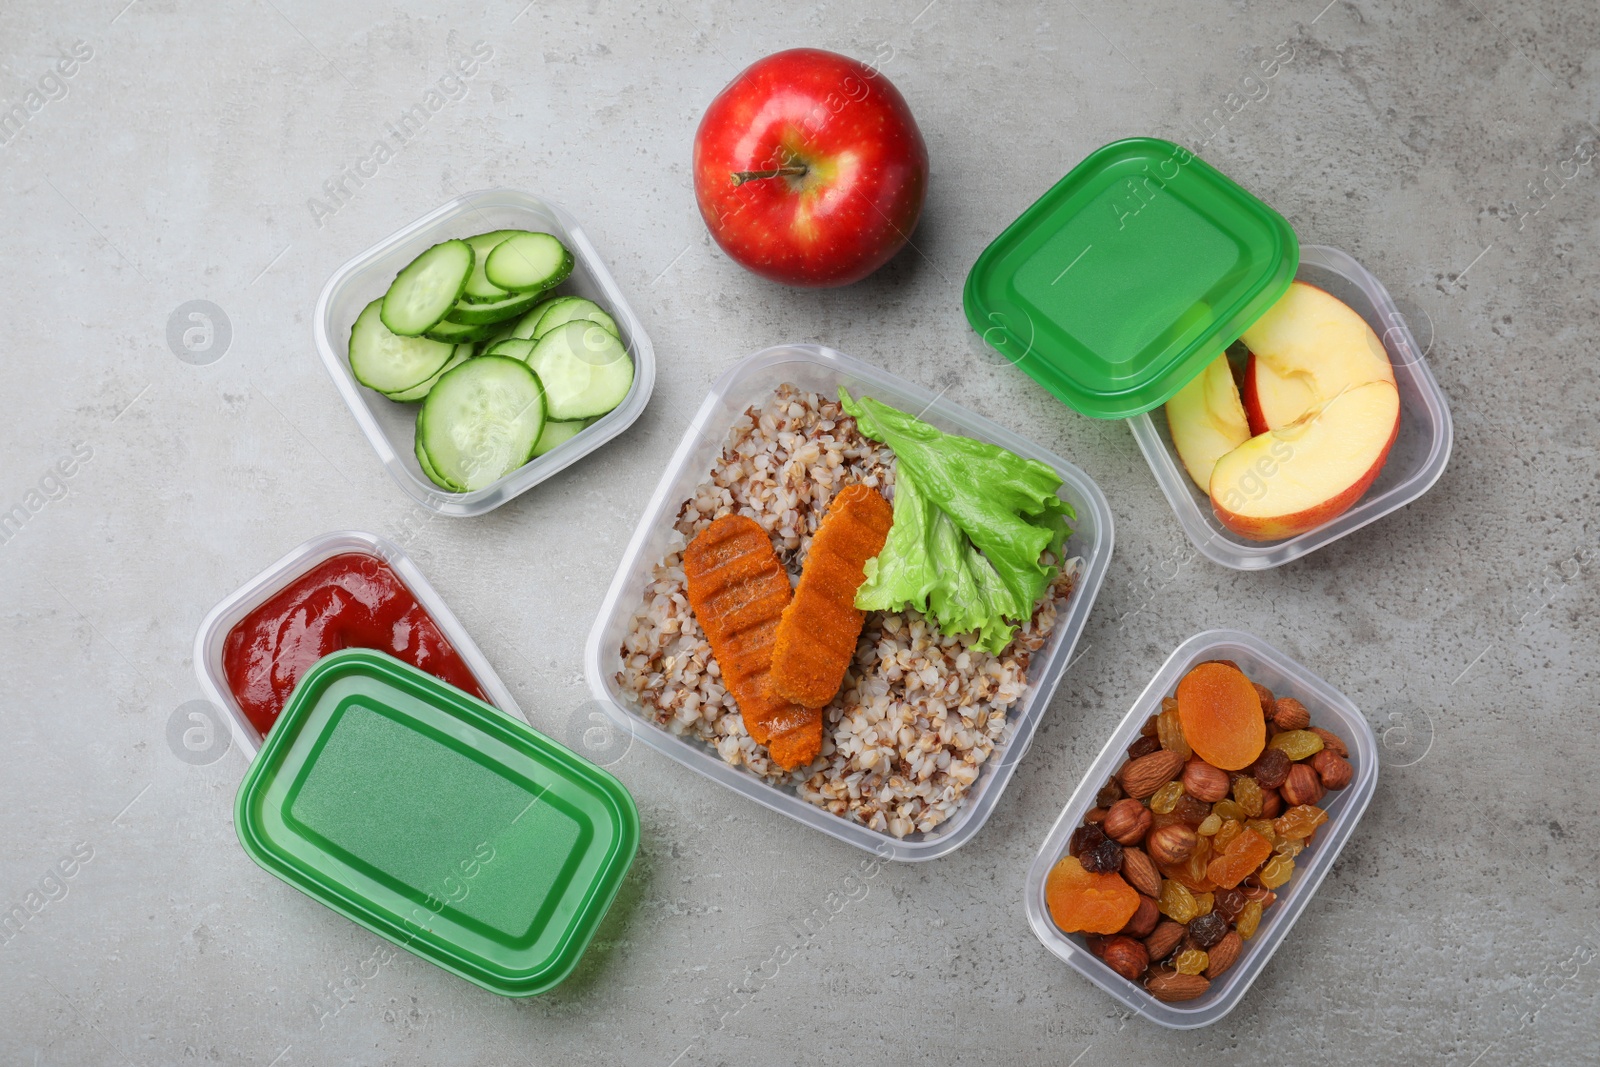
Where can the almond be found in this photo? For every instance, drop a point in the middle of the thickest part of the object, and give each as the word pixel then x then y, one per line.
pixel 1140 872
pixel 1331 741
pixel 1289 714
pixel 1163 939
pixel 1143 776
pixel 1223 954
pixel 1171 986
pixel 1205 782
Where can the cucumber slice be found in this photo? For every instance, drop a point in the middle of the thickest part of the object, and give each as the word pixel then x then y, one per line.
pixel 481 421
pixel 480 290
pixel 417 392
pixel 423 294
pixel 559 433
pixel 384 361
pixel 502 330
pixel 499 311
pixel 526 325
pixel 527 261
pixel 585 370
pixel 571 309
pixel 427 467
pixel 454 333
pixel 515 347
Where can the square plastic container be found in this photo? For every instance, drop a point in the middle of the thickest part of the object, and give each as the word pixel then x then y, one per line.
pixel 824 370
pixel 1329 709
pixel 213 633
pixel 1415 462
pixel 390 426
pixel 431 819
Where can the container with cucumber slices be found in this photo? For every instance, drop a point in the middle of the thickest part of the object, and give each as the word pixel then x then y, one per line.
pixel 482 349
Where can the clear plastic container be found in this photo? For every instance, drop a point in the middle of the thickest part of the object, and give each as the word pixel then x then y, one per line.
pixel 391 427
pixel 1330 709
pixel 1415 462
pixel 814 367
pixel 213 634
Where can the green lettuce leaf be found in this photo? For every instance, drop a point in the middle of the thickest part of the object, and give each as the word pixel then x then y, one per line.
pixel 971 521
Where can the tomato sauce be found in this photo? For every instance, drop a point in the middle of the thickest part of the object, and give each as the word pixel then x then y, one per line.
pixel 350 601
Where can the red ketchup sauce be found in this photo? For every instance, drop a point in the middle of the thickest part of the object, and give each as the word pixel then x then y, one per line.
pixel 350 601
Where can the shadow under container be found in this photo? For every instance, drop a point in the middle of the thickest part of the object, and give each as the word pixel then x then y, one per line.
pixel 823 370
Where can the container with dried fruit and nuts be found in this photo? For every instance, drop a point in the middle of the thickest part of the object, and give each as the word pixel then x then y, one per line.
pixel 1197 832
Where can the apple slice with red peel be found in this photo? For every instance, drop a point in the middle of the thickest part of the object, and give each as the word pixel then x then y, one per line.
pixel 1206 420
pixel 1289 480
pixel 1308 348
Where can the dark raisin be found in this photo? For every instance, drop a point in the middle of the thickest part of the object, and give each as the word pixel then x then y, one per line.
pixel 1228 903
pixel 1085 839
pixel 1271 768
pixel 1109 794
pixel 1190 811
pixel 1149 727
pixel 1103 858
pixel 1207 930
pixel 1143 747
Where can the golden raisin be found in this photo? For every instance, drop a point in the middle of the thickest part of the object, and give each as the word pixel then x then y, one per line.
pixel 1289 847
pixel 1228 809
pixel 1203 903
pixel 1299 822
pixel 1191 961
pixel 1176 902
pixel 1230 829
pixel 1247 794
pixel 1166 798
pixel 1297 744
pixel 1170 730
pixel 1278 870
pixel 1248 920
pixel 1210 825
pixel 1265 828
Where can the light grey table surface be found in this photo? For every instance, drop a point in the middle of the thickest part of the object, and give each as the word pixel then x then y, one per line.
pixel 176 163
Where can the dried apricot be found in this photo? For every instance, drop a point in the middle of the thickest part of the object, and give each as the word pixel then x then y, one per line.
pixel 1220 712
pixel 1242 856
pixel 1083 901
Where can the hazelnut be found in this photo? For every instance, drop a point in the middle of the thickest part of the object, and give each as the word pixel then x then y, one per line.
pixel 1265 696
pixel 1289 714
pixel 1271 804
pixel 1127 821
pixel 1302 786
pixel 1205 782
pixel 1126 956
pixel 1171 845
pixel 1144 919
pixel 1331 741
pixel 1333 769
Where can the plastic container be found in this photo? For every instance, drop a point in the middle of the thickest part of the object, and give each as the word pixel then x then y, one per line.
pixel 1329 709
pixel 390 426
pixel 213 634
pixel 1127 277
pixel 433 820
pixel 1415 462
pixel 814 367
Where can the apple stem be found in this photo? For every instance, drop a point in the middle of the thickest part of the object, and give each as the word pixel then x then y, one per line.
pixel 793 170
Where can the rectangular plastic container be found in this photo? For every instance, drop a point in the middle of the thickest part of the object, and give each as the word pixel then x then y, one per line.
pixel 1329 709
pixel 814 367
pixel 391 426
pixel 213 634
pixel 1415 462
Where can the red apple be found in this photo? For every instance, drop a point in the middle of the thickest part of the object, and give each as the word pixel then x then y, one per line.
pixel 809 169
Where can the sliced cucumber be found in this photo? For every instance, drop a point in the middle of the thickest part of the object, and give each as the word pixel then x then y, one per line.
pixel 424 293
pixel 482 421
pixel 526 325
pixel 559 433
pixel 480 290
pixel 501 331
pixel 571 309
pixel 417 392
pixel 499 311
pixel 515 347
pixel 454 333
pixel 526 261
pixel 427 467
pixel 387 362
pixel 585 370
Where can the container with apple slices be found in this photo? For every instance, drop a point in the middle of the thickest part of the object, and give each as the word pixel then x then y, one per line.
pixel 1275 390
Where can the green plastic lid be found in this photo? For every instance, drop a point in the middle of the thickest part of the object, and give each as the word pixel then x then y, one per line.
pixel 1124 280
pixel 438 822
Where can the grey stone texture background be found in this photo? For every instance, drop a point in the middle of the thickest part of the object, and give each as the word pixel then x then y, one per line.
pixel 1438 141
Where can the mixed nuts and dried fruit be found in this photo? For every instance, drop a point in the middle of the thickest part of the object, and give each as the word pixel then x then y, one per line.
pixel 1191 839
